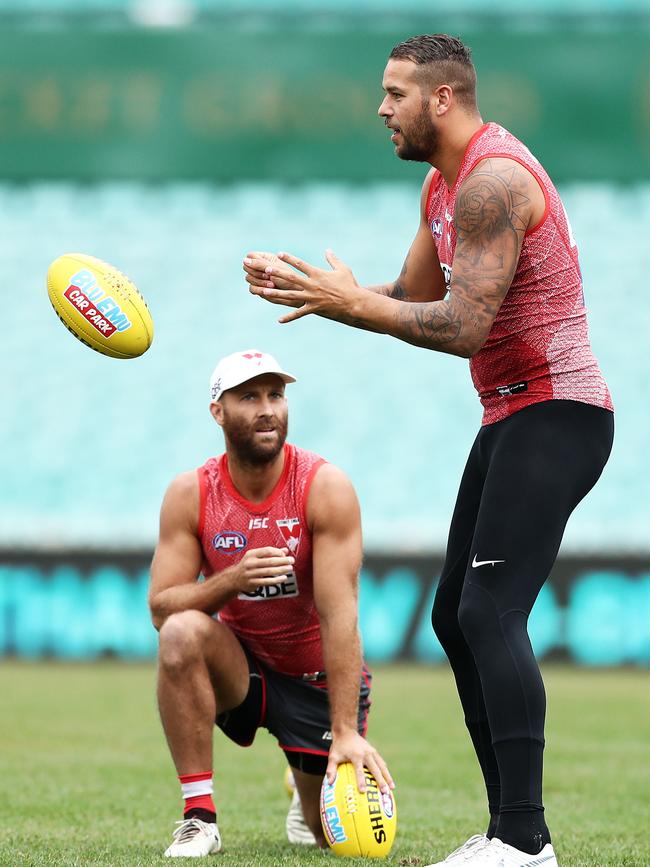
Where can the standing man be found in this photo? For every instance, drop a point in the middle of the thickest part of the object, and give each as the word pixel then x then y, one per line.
pixel 270 637
pixel 492 276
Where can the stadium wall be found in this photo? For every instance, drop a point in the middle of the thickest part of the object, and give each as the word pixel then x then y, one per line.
pixel 266 97
pixel 594 611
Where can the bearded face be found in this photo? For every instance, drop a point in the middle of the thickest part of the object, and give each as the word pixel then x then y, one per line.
pixel 256 442
pixel 254 418
pixel 417 138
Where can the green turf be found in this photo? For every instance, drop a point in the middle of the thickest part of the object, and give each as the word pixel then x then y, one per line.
pixel 86 779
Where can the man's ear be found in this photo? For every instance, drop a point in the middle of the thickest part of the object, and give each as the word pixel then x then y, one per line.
pixel 443 98
pixel 216 411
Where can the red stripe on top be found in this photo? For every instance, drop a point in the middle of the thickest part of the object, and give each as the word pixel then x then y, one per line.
pixel 202 483
pixel 195 778
pixel 308 483
pixel 258 508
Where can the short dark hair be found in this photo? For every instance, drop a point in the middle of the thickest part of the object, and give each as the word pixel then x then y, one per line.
pixel 444 60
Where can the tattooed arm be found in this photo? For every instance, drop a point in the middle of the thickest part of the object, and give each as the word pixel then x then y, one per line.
pixel 495 206
pixel 421 278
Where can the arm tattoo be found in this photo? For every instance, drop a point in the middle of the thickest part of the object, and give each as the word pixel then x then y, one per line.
pixel 491 216
pixel 398 291
pixel 393 290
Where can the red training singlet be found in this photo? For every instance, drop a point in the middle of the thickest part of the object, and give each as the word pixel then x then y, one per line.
pixel 278 623
pixel 538 347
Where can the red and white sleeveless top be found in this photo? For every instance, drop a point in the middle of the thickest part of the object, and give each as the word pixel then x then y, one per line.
pixel 278 623
pixel 538 347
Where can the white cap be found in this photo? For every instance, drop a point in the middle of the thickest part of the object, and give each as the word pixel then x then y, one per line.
pixel 242 366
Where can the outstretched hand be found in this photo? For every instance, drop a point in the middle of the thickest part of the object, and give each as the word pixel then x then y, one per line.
pixel 351 747
pixel 332 294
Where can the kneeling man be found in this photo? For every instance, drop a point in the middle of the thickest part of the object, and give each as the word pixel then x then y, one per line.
pixel 269 637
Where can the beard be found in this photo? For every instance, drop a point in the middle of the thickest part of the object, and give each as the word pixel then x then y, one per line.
pixel 421 141
pixel 247 444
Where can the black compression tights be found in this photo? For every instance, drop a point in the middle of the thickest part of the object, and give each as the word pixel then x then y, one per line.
pixel 523 478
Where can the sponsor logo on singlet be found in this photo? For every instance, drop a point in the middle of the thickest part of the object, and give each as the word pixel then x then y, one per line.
pixel 436 228
pixel 446 270
pixel 513 388
pixel 272 591
pixel 229 542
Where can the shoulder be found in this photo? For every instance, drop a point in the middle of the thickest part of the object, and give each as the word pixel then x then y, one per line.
pixel 184 485
pixel 181 502
pixel 498 189
pixel 507 174
pixel 331 497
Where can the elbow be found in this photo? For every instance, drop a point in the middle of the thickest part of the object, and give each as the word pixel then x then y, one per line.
pixel 471 346
pixel 156 613
pixel 157 621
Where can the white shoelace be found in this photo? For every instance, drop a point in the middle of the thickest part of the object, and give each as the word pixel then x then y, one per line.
pixel 187 830
pixel 466 849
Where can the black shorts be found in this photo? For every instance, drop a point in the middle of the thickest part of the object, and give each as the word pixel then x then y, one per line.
pixel 295 710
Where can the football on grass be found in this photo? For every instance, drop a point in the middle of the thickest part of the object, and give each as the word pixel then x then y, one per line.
pixel 357 824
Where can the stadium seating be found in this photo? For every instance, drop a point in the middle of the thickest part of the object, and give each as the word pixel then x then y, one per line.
pixel 88 444
pixel 361 6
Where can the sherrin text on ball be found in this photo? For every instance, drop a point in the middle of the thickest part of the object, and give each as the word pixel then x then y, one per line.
pixel 357 824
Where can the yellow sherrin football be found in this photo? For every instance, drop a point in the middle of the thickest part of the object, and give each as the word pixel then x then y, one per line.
pixel 357 824
pixel 99 305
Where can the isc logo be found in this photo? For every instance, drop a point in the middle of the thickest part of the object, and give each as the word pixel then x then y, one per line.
pixel 258 524
pixel 229 542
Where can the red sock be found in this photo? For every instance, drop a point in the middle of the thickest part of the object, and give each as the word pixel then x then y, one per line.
pixel 197 791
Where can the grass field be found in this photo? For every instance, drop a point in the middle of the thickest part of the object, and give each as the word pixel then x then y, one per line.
pixel 86 778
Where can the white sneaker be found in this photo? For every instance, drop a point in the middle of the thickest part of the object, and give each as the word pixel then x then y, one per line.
pixel 498 854
pixel 465 852
pixel 194 839
pixel 297 829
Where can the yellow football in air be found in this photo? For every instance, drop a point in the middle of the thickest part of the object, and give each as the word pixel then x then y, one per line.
pixel 99 305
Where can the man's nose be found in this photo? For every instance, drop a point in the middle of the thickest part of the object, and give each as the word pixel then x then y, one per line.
pixel 383 110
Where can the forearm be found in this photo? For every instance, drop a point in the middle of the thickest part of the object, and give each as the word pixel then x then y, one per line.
pixel 390 290
pixel 342 656
pixel 208 596
pixel 447 325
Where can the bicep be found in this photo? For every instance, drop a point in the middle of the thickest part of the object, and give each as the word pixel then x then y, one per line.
pixel 421 278
pixel 336 543
pixel 178 556
pixel 490 218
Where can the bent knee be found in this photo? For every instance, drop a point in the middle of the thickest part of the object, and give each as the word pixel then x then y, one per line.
pixel 478 616
pixel 182 637
pixel 444 619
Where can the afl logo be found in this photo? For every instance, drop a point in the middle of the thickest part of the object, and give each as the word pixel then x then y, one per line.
pixel 229 542
pixel 436 228
pixel 387 804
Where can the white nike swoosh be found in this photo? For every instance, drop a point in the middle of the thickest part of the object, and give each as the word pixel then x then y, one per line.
pixel 476 563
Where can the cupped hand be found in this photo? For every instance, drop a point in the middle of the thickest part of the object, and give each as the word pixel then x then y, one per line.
pixel 352 747
pixel 292 282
